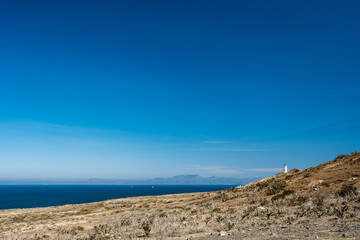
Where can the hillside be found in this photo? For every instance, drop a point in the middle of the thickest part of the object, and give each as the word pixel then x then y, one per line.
pixel 320 202
pixel 327 178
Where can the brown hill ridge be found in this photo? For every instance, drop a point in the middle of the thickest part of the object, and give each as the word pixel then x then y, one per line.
pixel 321 202
pixel 326 178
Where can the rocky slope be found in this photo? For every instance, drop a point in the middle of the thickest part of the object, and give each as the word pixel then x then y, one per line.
pixel 321 202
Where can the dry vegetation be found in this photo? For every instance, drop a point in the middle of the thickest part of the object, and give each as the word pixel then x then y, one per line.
pixel 317 203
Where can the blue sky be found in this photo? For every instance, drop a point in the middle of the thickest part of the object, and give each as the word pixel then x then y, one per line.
pixel 138 89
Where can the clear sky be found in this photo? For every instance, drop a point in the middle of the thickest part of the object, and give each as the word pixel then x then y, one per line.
pixel 140 89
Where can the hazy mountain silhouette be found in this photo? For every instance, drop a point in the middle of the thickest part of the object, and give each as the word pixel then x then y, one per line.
pixel 176 180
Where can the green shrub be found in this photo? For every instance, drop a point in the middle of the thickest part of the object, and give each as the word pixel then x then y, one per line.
pixel 216 210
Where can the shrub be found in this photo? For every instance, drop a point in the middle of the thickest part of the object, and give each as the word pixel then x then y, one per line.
pixel 275 187
pixel 233 189
pixel 347 190
pixel 231 210
pixel 147 228
pixel 276 197
pixel 282 195
pixel 216 210
pixel 85 211
pixel 325 184
pixel 307 175
pixel 248 211
pixel 340 156
pixel 253 200
pixel 298 200
pixel 230 225
pixel 319 200
pixel 288 177
pixel 101 232
pixel 264 184
pixel 222 196
pixel 264 202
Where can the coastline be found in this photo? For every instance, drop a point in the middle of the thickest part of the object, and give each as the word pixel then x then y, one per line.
pixel 321 202
pixel 204 215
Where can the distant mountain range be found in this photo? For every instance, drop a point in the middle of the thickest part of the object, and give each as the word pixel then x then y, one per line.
pixel 176 180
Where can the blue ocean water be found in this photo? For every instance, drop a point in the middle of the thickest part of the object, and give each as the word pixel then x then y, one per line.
pixel 54 195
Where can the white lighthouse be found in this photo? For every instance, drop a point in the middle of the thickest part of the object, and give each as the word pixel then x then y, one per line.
pixel 285 168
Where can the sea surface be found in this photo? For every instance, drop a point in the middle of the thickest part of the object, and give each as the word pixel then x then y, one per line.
pixel 54 195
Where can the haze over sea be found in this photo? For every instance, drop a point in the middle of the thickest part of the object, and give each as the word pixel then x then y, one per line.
pixel 55 195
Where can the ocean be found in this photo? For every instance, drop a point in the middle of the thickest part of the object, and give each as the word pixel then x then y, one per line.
pixel 25 196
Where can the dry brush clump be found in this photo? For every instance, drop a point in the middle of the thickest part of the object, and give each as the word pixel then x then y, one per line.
pixel 347 190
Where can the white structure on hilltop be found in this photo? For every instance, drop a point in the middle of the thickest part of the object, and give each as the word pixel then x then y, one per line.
pixel 285 168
